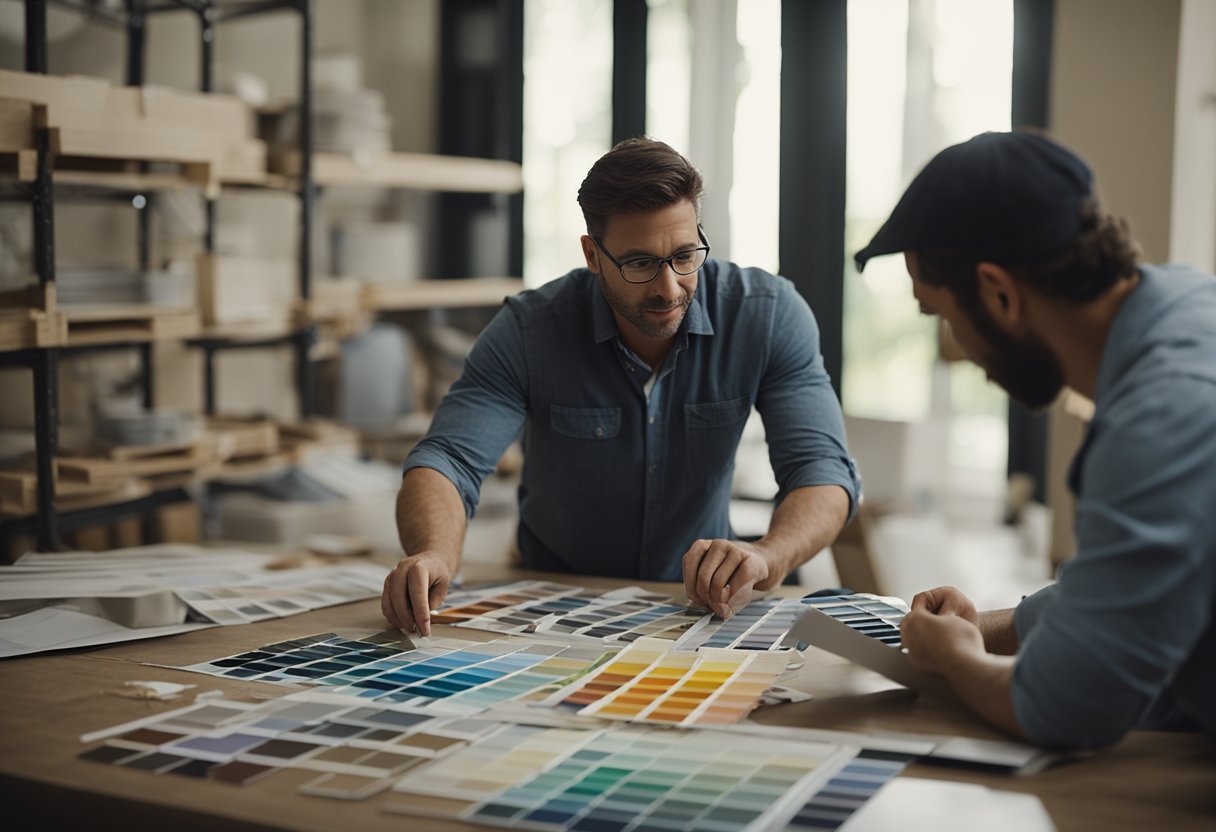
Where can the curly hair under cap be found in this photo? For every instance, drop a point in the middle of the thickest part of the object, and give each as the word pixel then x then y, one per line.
pixel 639 174
pixel 1098 257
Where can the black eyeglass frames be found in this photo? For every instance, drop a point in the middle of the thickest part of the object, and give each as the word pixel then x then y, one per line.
pixel 645 269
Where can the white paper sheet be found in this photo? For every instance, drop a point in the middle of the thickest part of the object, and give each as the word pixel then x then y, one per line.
pixel 913 804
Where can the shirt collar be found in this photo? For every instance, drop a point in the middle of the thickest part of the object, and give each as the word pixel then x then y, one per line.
pixel 1122 342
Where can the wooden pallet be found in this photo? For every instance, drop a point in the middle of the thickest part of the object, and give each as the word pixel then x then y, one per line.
pixel 153 463
pixel 19 493
pixel 90 325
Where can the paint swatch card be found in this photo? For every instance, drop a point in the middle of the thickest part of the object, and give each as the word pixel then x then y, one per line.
pixel 648 682
pixel 572 612
pixel 625 620
pixel 765 624
pixel 626 778
pixel 450 675
pixel 500 607
pixel 848 790
pixel 836 634
pixel 354 750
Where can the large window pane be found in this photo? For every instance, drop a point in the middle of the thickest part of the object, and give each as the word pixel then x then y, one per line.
pixel 922 75
pixel 567 125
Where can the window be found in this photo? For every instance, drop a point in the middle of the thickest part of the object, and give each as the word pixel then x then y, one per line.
pixel 922 75
pixel 567 125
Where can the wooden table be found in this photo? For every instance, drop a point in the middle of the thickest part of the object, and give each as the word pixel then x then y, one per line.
pixel 1158 780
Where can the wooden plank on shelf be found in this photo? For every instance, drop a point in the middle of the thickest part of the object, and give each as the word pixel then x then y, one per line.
pixel 429 294
pixel 19 493
pixel 16 125
pixel 38 296
pixel 422 171
pixel 92 325
pixel 18 166
pixel 212 112
pixel 75 92
pixel 28 328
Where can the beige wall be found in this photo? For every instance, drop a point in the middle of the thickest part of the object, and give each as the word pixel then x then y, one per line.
pixel 1114 70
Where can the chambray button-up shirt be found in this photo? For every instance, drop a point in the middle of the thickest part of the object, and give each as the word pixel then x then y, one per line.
pixel 619 479
pixel 1127 637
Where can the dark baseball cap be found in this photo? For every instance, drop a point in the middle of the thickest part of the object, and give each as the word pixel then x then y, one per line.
pixel 1012 197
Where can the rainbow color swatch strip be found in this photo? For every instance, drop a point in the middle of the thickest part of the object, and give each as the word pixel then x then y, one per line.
pixel 449 675
pixel 629 778
pixel 648 682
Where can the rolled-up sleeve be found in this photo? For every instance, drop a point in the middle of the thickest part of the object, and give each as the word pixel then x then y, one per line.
pixel 1100 646
pixel 803 423
pixel 482 412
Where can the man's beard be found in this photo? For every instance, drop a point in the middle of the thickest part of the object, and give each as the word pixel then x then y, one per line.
pixel 1025 367
pixel 636 315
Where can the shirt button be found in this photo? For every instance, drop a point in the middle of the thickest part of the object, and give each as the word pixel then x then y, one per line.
pixel 650 420
pixel 651 468
pixel 599 431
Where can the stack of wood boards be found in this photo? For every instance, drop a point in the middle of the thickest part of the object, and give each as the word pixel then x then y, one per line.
pixel 29 318
pixel 209 136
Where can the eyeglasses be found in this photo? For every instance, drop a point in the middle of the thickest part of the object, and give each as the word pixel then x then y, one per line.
pixel 646 269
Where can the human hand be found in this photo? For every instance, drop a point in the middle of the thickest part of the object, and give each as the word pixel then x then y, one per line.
pixel 720 574
pixel 417 585
pixel 936 642
pixel 946 600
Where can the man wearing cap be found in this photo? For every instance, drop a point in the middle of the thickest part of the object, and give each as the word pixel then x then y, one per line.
pixel 632 379
pixel 1005 241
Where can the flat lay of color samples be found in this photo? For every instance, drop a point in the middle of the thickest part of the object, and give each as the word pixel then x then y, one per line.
pixel 630 778
pixel 875 616
pixel 648 682
pixel 450 675
pixel 355 750
pixel 383 713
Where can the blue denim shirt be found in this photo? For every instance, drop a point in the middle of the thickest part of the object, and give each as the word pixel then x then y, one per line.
pixel 1127 636
pixel 617 483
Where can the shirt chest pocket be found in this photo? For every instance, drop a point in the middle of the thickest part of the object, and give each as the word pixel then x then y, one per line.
pixel 585 422
pixel 711 435
pixel 716 414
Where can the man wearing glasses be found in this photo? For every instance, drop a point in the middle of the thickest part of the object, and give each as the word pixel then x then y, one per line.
pixel 632 379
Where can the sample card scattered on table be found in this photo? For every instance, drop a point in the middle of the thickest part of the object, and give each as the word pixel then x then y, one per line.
pixel 450 675
pixel 574 613
pixel 649 682
pixel 833 630
pixel 624 778
pixel 765 624
pixel 848 790
pixel 356 750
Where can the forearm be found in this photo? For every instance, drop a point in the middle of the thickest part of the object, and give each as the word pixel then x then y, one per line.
pixel 806 521
pixel 431 516
pixel 1000 634
pixel 984 682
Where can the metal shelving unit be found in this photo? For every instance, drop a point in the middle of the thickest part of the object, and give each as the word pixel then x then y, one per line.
pixel 304 175
pixel 44 361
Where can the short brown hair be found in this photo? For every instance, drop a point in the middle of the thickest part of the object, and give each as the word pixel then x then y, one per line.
pixel 1089 265
pixel 639 174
